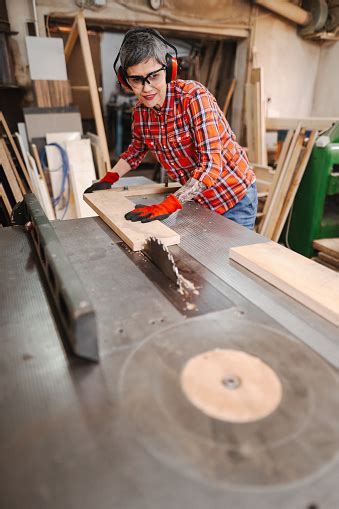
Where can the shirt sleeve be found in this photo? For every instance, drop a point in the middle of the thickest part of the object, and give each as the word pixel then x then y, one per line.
pixel 137 149
pixel 205 120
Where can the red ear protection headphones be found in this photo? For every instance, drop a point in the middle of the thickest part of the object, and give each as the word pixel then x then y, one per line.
pixel 171 60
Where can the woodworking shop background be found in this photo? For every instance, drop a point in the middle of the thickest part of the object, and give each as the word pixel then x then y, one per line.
pixel 259 64
pixel 300 75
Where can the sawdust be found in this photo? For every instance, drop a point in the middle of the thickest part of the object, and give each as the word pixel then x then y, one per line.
pixel 186 286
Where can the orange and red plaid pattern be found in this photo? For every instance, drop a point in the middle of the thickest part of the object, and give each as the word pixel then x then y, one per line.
pixel 190 137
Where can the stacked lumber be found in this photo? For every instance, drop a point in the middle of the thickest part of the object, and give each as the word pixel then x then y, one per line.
pixel 327 252
pixel 49 93
pixel 59 181
pixel 282 184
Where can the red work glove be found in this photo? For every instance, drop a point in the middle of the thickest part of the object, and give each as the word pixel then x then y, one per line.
pixel 148 213
pixel 105 183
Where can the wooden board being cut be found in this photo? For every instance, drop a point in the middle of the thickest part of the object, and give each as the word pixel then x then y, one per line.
pixel 112 207
pixel 306 281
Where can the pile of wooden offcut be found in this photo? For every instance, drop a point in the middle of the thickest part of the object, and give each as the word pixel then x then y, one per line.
pixel 327 252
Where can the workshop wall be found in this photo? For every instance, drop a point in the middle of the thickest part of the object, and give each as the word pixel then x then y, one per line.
pixel 326 98
pixel 290 66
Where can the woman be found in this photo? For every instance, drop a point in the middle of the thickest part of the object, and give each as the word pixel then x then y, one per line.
pixel 182 124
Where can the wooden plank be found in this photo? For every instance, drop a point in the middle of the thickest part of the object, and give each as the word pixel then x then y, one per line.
pixel 325 263
pixel 309 123
pixel 10 175
pixel 267 208
pixel 229 97
pixel 82 172
pixel 89 68
pixel 112 207
pixel 331 260
pixel 97 154
pixel 293 188
pixel 206 63
pixel 15 171
pixel 71 40
pixel 284 184
pixel 14 148
pixel 215 69
pixel 258 113
pixel 5 199
pixel 41 193
pixel 282 169
pixel 304 280
pixel 328 246
pixel 250 123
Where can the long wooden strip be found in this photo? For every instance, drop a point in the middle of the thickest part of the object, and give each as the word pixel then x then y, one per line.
pixel 10 175
pixel 293 188
pixel 112 207
pixel 286 178
pixel 303 279
pixel 15 171
pixel 14 148
pixel 267 208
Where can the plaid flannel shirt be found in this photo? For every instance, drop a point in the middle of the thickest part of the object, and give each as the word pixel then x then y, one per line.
pixel 190 137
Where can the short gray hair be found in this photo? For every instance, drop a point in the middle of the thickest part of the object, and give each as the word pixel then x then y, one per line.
pixel 139 46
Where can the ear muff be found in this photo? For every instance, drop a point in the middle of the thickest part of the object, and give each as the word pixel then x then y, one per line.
pixel 171 60
pixel 171 67
pixel 121 75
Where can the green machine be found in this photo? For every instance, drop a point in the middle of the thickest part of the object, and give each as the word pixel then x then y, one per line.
pixel 315 212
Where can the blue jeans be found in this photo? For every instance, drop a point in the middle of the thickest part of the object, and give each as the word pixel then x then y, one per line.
pixel 244 212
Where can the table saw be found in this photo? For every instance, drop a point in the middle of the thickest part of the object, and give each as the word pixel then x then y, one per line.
pixel 120 433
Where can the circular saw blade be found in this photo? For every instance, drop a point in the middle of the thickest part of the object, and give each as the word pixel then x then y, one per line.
pixel 162 258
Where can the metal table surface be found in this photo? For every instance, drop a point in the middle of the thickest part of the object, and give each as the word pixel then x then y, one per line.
pixel 119 433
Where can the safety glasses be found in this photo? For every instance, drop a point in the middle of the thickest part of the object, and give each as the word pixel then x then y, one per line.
pixel 152 78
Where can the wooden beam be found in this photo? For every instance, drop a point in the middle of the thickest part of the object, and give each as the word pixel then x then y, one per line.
pixel 309 123
pixel 79 29
pixel 316 287
pixel 72 39
pixel 112 207
pixel 89 68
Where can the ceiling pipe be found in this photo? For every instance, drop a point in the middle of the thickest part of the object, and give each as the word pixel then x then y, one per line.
pixel 287 10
